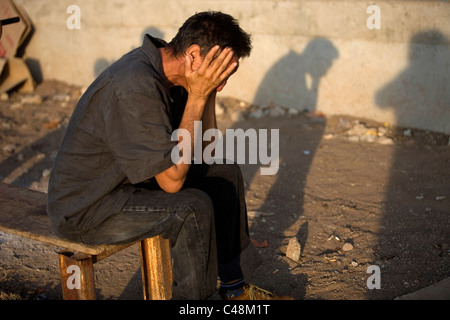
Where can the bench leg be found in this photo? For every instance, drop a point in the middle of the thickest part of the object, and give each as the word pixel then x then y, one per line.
pixel 77 276
pixel 156 265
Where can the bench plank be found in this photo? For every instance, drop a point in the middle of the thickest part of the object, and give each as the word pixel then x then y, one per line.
pixel 23 212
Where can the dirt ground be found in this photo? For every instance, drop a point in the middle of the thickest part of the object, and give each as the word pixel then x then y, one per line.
pixel 354 193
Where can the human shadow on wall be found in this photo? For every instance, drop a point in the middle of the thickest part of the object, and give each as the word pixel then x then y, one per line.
pixel 292 82
pixel 102 63
pixel 410 238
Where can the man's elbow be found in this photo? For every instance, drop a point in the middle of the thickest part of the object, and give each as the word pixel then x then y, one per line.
pixel 172 187
pixel 172 179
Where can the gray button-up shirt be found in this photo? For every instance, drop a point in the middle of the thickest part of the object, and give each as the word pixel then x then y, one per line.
pixel 119 135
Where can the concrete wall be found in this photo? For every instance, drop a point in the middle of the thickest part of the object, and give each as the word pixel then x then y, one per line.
pixel 307 54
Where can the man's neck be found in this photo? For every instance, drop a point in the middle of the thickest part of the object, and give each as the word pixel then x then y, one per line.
pixel 173 68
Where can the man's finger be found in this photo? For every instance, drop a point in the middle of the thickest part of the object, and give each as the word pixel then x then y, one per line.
pixel 228 72
pixel 223 63
pixel 209 57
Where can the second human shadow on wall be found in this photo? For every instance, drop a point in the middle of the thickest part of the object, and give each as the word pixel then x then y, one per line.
pixel 414 228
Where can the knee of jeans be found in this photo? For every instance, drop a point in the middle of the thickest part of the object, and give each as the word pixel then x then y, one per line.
pixel 200 201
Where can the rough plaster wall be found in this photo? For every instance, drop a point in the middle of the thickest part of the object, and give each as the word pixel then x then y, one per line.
pixel 307 54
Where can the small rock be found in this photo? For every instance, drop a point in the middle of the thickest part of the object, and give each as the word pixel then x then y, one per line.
pixel 4 96
pixel 61 97
pixel 347 246
pixel 237 116
pixel 354 264
pixel 293 250
pixel 243 104
pixel 328 136
pixel 381 131
pixel 353 138
pixel 7 125
pixel 46 173
pixel 9 148
pixel 368 138
pixel 219 109
pixel 31 99
pixel 16 106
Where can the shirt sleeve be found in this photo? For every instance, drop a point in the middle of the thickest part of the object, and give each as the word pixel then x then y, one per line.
pixel 138 133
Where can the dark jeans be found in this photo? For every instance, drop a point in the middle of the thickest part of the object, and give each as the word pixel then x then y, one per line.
pixel 206 223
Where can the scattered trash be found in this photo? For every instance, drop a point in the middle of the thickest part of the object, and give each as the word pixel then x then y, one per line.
pixel 258 113
pixel 41 296
pixel 293 112
pixel 257 214
pixel 263 244
pixel 385 141
pixel 353 138
pixel 440 197
pixel 333 237
pixel 315 114
pixel 53 123
pixel 407 133
pixel 276 111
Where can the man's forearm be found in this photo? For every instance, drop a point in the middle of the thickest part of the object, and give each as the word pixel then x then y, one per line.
pixel 209 120
pixel 172 179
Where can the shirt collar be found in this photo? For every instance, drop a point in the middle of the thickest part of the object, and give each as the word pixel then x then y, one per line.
pixel 150 46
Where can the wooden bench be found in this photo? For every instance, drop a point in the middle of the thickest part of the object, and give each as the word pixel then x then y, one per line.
pixel 23 213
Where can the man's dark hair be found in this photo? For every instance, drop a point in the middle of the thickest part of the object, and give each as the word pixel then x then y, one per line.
pixel 208 29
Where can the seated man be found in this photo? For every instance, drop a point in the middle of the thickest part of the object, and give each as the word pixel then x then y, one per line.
pixel 114 180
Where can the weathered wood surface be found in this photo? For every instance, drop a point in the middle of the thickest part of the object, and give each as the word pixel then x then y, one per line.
pixel 23 212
